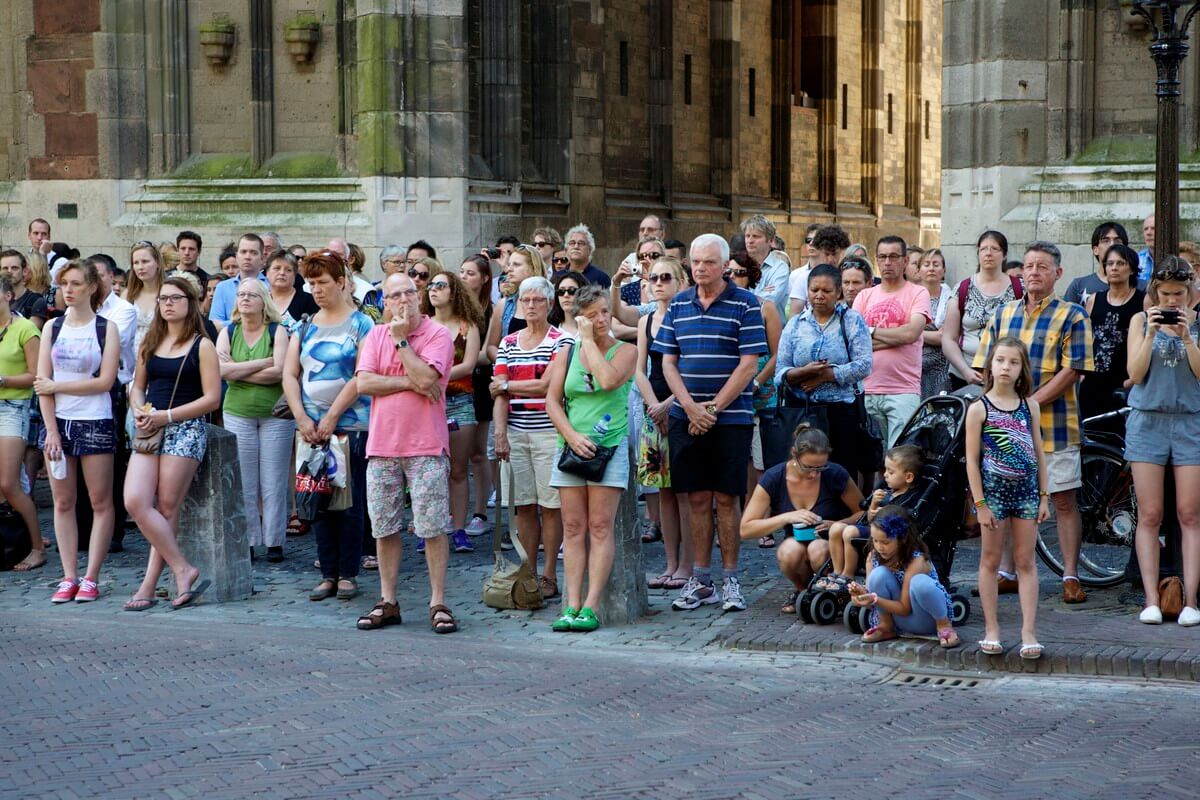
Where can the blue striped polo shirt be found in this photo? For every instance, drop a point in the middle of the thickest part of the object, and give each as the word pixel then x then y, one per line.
pixel 709 343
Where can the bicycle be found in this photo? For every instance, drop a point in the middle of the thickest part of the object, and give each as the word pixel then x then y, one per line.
pixel 1107 505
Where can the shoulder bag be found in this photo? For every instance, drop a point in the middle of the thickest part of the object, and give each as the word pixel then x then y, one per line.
pixel 510 586
pixel 281 409
pixel 150 442
pixel 590 469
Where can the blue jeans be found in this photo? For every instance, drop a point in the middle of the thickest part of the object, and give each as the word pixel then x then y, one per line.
pixel 924 594
pixel 340 533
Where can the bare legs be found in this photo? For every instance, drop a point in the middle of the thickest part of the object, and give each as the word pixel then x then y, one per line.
pixel 462 442
pixel 1148 483
pixel 588 546
pixel 165 479
pixel 545 530
pixel 97 476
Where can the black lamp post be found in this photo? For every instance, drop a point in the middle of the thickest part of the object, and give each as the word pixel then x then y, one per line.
pixel 1168 48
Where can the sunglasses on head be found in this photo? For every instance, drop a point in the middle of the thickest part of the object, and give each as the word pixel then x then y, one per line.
pixel 740 272
pixel 1180 275
pixel 416 273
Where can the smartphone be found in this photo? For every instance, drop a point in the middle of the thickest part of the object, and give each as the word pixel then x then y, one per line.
pixel 802 533
pixel 1168 316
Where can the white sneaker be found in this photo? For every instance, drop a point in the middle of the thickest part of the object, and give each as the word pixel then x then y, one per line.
pixel 477 526
pixel 1152 615
pixel 1189 617
pixel 492 500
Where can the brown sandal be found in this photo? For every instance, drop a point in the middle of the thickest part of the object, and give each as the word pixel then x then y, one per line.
pixel 548 587
pixel 389 614
pixel 443 626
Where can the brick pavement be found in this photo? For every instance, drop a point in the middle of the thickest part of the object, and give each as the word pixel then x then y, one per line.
pixel 1101 637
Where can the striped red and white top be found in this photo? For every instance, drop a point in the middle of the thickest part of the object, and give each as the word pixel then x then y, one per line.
pixel 513 363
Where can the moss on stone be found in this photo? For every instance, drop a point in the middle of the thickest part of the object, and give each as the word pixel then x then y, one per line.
pixel 238 165
pixel 216 165
pixel 301 165
pixel 1118 150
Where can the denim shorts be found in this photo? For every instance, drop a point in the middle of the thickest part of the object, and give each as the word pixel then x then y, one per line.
pixel 616 473
pixel 84 437
pixel 1153 437
pixel 461 409
pixel 187 439
pixel 14 419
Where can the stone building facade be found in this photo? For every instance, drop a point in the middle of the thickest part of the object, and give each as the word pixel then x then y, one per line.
pixel 1050 115
pixel 460 120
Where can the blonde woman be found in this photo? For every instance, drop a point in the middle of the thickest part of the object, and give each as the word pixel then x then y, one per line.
pixel 508 317
pixel 251 353
pixel 146 276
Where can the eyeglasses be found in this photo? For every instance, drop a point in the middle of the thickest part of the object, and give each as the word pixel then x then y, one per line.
pixel 244 295
pixel 577 243
pixel 649 256
pixel 807 468
pixel 741 272
pixel 889 257
pixel 168 299
pixel 416 273
pixel 1180 275
pixel 533 300
pixel 567 291
pixel 438 285
pixel 660 277
pixel 560 260
pixel 400 294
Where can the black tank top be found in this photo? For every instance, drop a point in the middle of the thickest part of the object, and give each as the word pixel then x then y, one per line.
pixel 658 381
pixel 160 379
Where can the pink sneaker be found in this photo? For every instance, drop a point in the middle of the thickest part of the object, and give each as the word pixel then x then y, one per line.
pixel 88 591
pixel 66 592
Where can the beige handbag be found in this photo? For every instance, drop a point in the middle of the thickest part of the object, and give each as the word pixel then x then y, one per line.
pixel 510 586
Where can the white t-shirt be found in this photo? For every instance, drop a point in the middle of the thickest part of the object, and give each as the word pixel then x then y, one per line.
pixel 76 357
pixel 798 284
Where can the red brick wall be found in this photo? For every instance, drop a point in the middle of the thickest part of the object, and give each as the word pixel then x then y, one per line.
pixel 59 55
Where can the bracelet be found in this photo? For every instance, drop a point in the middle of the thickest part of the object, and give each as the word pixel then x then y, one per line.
pixel 1043 494
pixel 980 503
pixel 169 420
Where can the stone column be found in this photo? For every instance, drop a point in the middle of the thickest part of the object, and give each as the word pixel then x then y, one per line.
pixel 212 522
pixel 262 83
pixel 726 94
pixel 818 53
pixel 913 47
pixel 872 93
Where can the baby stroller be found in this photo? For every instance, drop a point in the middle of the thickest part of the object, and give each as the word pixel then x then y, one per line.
pixel 937 427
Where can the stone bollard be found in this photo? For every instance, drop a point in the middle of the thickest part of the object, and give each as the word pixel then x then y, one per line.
pixel 625 599
pixel 212 522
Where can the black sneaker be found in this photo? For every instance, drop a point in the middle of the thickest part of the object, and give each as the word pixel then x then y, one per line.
pixel 274 554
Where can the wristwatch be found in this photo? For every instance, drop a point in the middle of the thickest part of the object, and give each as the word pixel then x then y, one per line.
pixel 711 408
pixel 400 345
pixel 504 386
pixel 871 331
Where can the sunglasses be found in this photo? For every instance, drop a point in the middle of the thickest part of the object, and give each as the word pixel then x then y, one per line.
pixel 660 277
pixel 739 273
pixel 416 273
pixel 562 260
pixel 808 240
pixel 439 285
pixel 807 468
pixel 567 291
pixel 1180 275
pixel 649 256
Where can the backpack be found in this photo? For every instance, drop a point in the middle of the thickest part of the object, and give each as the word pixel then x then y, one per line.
pixel 101 335
pixel 14 538
pixel 965 286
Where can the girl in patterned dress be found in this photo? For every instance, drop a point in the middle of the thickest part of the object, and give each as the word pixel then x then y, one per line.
pixel 1007 472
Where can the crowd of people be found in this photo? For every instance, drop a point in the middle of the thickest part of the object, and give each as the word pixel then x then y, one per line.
pixel 743 394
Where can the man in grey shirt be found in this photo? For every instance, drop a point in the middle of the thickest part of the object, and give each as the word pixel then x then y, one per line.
pixel 1105 236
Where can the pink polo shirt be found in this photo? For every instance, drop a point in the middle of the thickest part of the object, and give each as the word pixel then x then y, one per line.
pixel 895 370
pixel 408 423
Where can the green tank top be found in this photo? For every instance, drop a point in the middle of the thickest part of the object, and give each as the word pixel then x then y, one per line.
pixel 587 403
pixel 251 400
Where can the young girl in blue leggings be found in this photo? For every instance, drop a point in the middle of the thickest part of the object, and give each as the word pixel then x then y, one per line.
pixel 902 584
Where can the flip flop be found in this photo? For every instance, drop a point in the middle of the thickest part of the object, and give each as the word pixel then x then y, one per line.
pixel 991 647
pixel 190 595
pixel 659 582
pixel 766 542
pixel 140 604
pixel 675 583
pixel 1031 652
pixel 878 634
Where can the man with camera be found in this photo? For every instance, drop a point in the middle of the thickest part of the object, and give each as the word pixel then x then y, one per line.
pixel 1058 336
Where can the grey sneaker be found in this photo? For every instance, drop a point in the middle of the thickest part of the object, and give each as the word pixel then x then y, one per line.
pixel 732 591
pixel 477 526
pixel 695 594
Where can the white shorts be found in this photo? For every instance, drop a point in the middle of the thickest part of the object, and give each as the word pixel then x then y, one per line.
pixel 1064 470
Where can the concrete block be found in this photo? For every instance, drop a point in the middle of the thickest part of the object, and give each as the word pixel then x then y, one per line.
pixel 212 522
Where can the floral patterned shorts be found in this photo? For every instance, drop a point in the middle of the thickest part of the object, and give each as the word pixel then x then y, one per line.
pixel 428 481
pixel 187 439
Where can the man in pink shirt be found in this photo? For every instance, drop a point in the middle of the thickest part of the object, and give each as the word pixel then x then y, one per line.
pixel 896 312
pixel 404 366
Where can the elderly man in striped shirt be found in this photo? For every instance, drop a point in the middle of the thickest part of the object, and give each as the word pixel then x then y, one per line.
pixel 711 339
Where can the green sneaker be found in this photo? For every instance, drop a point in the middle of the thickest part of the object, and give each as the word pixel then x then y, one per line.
pixel 586 621
pixel 565 622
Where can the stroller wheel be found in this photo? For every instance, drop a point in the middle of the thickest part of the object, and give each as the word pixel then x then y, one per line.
pixel 824 608
pixel 960 608
pixel 802 603
pixel 850 618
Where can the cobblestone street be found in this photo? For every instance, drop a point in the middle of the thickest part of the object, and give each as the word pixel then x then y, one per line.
pixel 280 696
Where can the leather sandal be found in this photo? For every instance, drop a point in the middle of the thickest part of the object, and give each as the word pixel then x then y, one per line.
pixel 324 590
pixel 442 626
pixel 388 614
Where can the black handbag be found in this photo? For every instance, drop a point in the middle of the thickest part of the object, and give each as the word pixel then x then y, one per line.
pixel 777 427
pixel 590 469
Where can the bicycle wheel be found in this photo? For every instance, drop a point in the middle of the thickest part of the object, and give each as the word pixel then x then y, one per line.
pixel 1108 508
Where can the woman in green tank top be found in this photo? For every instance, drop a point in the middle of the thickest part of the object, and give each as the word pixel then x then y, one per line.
pixel 587 402
pixel 251 353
